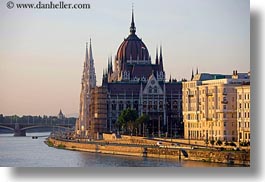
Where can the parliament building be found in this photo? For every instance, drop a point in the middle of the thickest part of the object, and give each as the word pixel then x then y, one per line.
pixel 132 81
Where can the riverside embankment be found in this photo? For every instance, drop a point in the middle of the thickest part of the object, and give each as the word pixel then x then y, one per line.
pixel 142 147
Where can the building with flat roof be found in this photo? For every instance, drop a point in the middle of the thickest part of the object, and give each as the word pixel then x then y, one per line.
pixel 210 106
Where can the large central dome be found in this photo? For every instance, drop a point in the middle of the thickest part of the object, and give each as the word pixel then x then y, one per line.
pixel 132 48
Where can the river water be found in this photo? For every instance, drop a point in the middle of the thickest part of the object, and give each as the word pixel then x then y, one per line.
pixel 28 152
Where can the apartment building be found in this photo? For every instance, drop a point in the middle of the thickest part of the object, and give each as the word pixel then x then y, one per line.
pixel 210 106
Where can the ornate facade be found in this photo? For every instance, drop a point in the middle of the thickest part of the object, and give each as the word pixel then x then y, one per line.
pixel 133 82
pixel 83 123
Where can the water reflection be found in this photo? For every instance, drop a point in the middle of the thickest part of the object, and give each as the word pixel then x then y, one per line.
pixel 26 152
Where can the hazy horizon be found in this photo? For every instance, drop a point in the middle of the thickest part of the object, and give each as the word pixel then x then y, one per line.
pixel 42 51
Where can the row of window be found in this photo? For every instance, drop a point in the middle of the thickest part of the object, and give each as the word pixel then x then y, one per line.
pixel 126 76
pixel 246 105
pixel 245 96
pixel 211 133
pixel 243 125
pixel 207 124
pixel 135 106
pixel 155 99
pixel 174 103
pixel 209 99
pixel 210 91
pixel 246 136
pixel 224 99
pixel 210 116
pixel 193 107
pixel 245 114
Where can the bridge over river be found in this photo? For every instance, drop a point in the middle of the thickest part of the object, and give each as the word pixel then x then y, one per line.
pixel 20 129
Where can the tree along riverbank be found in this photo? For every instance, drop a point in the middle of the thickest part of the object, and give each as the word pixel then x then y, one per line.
pixel 141 147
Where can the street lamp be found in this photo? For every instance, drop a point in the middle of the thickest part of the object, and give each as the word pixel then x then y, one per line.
pixel 189 132
pixel 82 131
pixel 171 129
pixel 167 126
pixel 159 126
pixel 212 135
pixel 207 138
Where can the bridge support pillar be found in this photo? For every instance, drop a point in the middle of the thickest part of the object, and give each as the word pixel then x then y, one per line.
pixel 19 133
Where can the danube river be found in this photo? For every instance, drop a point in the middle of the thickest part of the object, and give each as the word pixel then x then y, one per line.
pixel 28 152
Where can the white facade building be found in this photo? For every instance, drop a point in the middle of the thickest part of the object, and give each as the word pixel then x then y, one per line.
pixel 210 106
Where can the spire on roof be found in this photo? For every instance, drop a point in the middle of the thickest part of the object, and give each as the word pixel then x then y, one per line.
pixel 161 58
pixel 132 28
pixel 86 58
pixel 91 67
pixel 90 51
pixel 156 56
pixel 110 69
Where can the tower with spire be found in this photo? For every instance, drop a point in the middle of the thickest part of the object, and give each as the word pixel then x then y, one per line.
pixel 132 28
pixel 156 60
pixel 88 82
pixel 192 75
pixel 60 115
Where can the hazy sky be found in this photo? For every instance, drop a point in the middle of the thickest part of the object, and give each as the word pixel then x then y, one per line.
pixel 42 51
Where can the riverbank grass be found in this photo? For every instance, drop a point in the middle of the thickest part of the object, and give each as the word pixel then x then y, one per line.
pixel 61 146
pixel 49 143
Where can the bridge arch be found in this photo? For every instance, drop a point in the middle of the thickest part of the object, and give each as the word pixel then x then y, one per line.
pixel 6 127
pixel 43 126
pixel 20 129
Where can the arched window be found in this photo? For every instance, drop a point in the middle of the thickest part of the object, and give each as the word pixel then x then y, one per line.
pixel 144 105
pixel 175 105
pixel 113 105
pixel 155 89
pixel 128 104
pixel 150 89
pixel 120 106
pixel 135 105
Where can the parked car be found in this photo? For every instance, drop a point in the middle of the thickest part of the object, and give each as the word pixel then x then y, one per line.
pixel 159 143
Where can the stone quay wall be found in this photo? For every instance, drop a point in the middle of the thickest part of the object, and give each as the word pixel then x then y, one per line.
pixel 230 157
pixel 100 147
pixel 124 147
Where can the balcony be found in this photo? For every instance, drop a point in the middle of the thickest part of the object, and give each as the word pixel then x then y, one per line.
pixel 191 95
pixel 224 93
pixel 209 119
pixel 209 94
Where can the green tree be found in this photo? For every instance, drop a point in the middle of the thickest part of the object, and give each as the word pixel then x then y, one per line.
pixel 142 121
pixel 127 116
pixel 131 126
